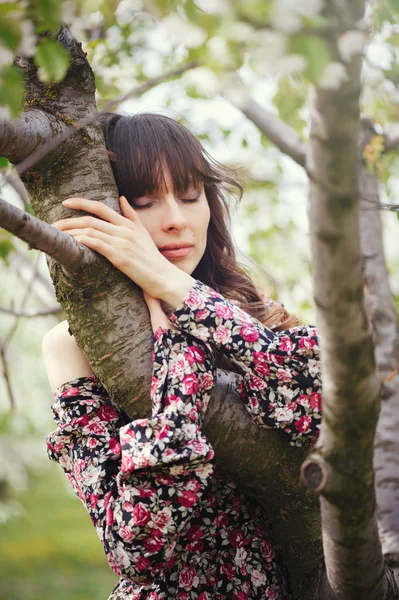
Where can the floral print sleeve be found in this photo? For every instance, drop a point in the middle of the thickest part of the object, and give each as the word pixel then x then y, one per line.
pixel 281 381
pixel 140 480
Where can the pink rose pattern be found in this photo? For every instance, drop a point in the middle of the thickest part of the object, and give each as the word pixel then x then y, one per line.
pixel 281 372
pixel 170 525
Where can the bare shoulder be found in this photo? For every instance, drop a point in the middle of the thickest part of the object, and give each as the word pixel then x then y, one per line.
pixel 57 335
pixel 63 359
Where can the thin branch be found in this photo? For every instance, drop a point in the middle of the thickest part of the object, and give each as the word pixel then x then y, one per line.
pixel 6 375
pixel 18 257
pixel 6 342
pixel 279 133
pixel 375 204
pixel 10 177
pixel 144 87
pixel 42 236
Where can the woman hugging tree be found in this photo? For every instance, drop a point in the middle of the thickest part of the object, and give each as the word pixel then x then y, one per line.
pixel 172 525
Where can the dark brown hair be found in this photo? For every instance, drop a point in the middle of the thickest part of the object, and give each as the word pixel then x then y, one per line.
pixel 140 147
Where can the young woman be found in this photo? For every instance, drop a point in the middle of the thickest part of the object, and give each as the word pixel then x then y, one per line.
pixel 171 525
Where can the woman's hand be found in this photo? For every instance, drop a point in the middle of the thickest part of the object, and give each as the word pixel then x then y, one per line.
pixel 157 314
pixel 123 240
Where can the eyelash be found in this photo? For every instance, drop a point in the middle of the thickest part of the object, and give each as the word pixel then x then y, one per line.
pixel 185 200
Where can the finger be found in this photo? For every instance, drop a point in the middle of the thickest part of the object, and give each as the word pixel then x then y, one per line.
pixel 91 233
pixel 99 246
pixel 128 210
pixel 96 208
pixel 93 224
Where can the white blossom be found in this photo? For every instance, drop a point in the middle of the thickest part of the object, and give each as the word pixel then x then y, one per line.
pixel 215 7
pixel 28 42
pixel 204 80
pixel 351 44
pixel 237 95
pixel 287 15
pixel 289 65
pixel 219 51
pixel 114 37
pixel 178 30
pixel 6 56
pixel 333 76
pixel 240 32
pixel 127 9
pixel 269 48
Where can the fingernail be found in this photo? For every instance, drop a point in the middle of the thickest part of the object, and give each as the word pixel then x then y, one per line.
pixel 67 202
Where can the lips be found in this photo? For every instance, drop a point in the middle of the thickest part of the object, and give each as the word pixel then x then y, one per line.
pixel 175 251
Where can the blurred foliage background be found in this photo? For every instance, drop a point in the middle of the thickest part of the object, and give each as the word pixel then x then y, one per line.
pixel 270 49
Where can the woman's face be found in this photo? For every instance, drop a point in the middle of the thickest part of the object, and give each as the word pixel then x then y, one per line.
pixel 178 224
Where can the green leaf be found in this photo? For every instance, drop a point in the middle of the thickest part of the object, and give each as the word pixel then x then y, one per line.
pixel 47 15
pixel 3 162
pixel 29 209
pixel 12 89
pixel 10 32
pixel 52 59
pixel 316 52
pixel 6 245
pixel 290 99
pixel 394 5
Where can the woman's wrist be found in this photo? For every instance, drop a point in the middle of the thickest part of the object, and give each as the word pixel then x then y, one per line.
pixel 176 287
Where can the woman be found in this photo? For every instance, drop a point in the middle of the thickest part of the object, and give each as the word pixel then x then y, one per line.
pixel 171 525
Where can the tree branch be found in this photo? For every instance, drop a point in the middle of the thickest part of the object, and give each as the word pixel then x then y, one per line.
pixel 42 236
pixel 6 374
pixel 20 138
pixel 149 84
pixel 342 469
pixel 279 133
pixel 384 320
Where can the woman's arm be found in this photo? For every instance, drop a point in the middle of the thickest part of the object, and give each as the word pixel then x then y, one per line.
pixel 140 481
pixel 281 385
pixel 63 359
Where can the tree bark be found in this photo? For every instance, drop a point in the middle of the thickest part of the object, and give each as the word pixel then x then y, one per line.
pixel 384 320
pixel 381 313
pixel 108 317
pixel 341 470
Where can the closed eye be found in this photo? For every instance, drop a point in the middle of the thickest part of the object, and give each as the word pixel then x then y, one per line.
pixel 137 206
pixel 191 199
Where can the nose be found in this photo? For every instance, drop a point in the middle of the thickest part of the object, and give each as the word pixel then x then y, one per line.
pixel 173 218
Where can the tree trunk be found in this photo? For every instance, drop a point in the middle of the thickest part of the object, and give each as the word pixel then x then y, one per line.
pixel 384 320
pixel 341 469
pixel 108 317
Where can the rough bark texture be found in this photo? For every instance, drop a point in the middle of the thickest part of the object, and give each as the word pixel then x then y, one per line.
pixel 351 388
pixel 384 320
pixel 382 317
pixel 110 322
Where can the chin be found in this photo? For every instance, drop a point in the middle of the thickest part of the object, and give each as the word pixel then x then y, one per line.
pixel 185 266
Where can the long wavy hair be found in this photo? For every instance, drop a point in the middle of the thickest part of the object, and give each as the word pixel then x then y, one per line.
pixel 140 148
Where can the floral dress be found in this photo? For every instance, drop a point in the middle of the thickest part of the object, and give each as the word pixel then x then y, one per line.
pixel 172 525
